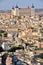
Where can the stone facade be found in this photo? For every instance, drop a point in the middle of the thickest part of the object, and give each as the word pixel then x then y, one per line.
pixel 23 11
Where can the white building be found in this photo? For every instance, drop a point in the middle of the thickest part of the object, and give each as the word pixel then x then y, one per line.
pixel 5 46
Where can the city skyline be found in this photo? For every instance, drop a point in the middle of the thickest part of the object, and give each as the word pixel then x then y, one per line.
pixel 7 4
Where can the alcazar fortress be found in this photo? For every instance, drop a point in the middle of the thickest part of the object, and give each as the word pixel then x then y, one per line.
pixel 23 11
pixel 20 12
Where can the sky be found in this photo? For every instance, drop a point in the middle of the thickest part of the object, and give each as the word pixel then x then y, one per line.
pixel 7 4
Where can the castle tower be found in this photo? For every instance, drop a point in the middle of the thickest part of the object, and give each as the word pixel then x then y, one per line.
pixel 15 11
pixel 32 11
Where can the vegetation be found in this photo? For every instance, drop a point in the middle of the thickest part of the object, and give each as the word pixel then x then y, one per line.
pixel 32 27
pixel 40 39
pixel 5 34
pixel 20 47
pixel 41 30
pixel 14 48
pixel 1 49
pixel 36 48
pixel 0 35
pixel 1 31
pixel 27 44
pixel 41 56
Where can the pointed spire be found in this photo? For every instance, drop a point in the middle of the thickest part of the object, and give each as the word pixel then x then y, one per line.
pixel 32 6
pixel 28 6
pixel 13 7
pixel 16 6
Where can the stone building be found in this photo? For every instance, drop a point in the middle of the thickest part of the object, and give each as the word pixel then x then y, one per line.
pixel 23 11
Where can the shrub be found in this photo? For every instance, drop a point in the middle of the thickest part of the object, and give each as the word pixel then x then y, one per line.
pixel 0 35
pixel 14 48
pixel 20 47
pixel 41 56
pixel 1 31
pixel 5 34
pixel 1 49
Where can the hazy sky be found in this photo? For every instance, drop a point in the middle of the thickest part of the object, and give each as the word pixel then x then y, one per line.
pixel 7 4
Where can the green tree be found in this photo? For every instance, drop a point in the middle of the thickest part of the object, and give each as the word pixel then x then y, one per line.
pixel 20 47
pixel 0 35
pixel 14 48
pixel 1 49
pixel 41 56
pixel 5 34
